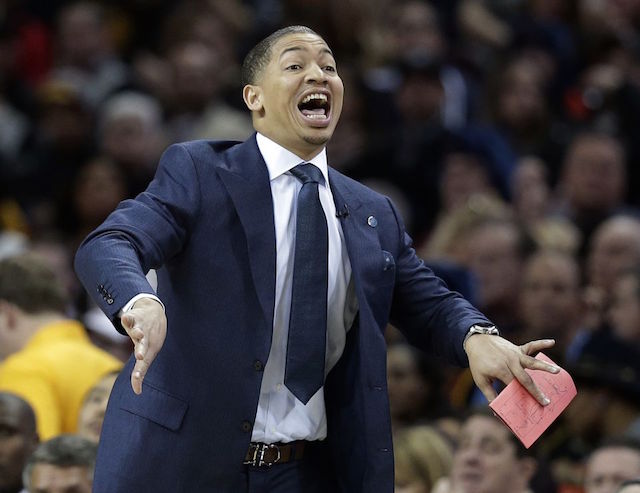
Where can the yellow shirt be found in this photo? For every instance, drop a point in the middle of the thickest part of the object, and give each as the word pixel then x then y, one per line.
pixel 54 372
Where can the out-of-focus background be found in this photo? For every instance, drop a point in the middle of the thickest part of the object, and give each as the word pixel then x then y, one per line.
pixel 507 132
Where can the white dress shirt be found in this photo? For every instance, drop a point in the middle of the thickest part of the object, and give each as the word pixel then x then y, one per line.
pixel 281 417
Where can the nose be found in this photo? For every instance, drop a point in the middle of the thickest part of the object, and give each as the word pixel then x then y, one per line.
pixel 316 75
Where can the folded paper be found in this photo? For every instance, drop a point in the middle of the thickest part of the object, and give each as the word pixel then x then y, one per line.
pixel 519 410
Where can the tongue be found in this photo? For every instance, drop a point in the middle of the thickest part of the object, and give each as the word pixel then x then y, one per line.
pixel 319 111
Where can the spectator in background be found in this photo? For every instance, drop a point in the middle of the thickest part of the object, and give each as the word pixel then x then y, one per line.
pixel 463 175
pixel 624 313
pixel 131 133
pixel 592 182
pixel 415 385
pixel 550 300
pixel 495 252
pixel 613 249
pixel 93 407
pixel 99 186
pixel 86 53
pixel 18 439
pixel 532 204
pixel 421 457
pixel 530 190
pixel 610 465
pixel 520 108
pixel 63 464
pixel 488 459
pixel 197 109
pixel 63 141
pixel 47 359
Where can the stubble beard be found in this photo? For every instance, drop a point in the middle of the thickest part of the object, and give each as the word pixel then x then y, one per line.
pixel 316 140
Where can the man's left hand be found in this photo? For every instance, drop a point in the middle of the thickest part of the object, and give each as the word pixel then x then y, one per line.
pixel 491 357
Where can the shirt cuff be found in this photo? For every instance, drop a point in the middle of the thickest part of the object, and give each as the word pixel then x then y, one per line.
pixel 128 306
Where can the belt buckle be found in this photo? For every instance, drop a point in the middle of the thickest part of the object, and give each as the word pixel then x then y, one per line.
pixel 258 455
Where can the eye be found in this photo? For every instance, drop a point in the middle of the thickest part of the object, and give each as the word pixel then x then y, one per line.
pixel 294 66
pixel 330 68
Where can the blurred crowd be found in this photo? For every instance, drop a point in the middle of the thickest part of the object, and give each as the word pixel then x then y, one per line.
pixel 507 132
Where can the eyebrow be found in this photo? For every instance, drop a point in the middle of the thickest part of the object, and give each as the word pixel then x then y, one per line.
pixel 300 48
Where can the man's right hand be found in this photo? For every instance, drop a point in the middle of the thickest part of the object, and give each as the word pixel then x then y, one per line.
pixel 146 324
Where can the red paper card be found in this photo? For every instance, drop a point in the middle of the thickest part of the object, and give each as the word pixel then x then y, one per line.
pixel 522 413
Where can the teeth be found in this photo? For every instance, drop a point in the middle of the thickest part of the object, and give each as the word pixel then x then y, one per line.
pixel 309 97
pixel 316 116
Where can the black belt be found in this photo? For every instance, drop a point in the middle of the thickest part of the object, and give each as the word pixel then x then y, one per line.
pixel 268 454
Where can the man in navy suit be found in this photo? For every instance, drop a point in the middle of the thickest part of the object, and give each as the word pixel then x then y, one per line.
pixel 218 222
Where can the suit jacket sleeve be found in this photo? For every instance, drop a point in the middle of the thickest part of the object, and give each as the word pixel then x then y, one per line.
pixel 141 234
pixel 429 314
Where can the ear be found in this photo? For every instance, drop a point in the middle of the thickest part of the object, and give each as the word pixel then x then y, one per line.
pixel 252 96
pixel 9 313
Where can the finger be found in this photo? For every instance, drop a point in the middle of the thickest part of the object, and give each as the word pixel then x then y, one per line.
pixel 527 382
pixel 136 334
pixel 533 347
pixel 536 364
pixel 128 321
pixel 141 348
pixel 487 389
pixel 138 374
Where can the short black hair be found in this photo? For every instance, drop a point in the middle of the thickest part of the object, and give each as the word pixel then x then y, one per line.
pixel 258 57
pixel 29 283
pixel 65 450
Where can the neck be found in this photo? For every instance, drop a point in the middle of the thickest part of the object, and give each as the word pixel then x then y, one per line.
pixel 32 323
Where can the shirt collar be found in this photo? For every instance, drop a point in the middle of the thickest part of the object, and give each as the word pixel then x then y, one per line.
pixel 280 160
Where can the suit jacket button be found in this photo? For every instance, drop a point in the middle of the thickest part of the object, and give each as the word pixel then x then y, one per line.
pixel 257 365
pixel 246 426
pixel 109 301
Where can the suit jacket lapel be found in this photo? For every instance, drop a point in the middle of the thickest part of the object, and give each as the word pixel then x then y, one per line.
pixel 361 239
pixel 246 178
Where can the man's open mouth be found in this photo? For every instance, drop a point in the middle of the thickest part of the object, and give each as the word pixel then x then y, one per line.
pixel 315 106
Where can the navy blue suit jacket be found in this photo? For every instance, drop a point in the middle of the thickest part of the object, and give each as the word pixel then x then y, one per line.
pixel 206 224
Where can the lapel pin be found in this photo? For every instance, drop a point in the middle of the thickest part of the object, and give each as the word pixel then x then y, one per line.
pixel 372 221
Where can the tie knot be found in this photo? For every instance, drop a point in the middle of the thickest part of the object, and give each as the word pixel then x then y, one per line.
pixel 307 173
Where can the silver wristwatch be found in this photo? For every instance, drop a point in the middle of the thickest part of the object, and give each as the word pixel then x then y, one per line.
pixel 481 329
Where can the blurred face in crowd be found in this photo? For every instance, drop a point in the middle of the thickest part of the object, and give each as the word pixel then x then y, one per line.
pixel 463 175
pixel 594 173
pixel 530 189
pixel 100 186
pixel 609 467
pixel 18 439
pixel 521 102
pixel 486 460
pixel 82 34
pixel 49 478
pixel 615 247
pixel 93 408
pixel 196 80
pixel 550 295
pixel 625 308
pixel 408 390
pixel 416 30
pixel 493 256
pixel 420 97
pixel 298 98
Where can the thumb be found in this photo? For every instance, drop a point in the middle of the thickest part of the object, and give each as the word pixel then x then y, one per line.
pixel 127 321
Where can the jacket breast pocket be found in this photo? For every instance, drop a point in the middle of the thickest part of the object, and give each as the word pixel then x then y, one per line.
pixel 388 267
pixel 157 406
